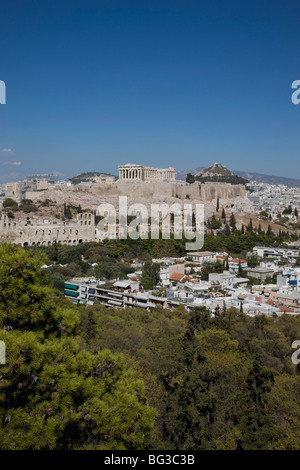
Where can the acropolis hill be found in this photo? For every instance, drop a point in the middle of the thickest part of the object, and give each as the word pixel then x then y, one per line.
pixel 140 184
pixel 90 195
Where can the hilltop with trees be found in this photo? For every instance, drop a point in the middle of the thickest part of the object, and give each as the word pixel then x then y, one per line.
pixel 216 173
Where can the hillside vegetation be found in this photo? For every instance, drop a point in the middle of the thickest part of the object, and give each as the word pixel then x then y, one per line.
pixel 82 377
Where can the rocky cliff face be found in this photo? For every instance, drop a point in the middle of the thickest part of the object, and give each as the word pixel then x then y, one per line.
pixel 147 193
pixel 43 227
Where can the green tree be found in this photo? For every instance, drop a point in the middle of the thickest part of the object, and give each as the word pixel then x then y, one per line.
pixel 288 210
pixel 54 394
pixel 269 231
pixel 27 205
pixel 250 226
pixel 213 223
pixel 286 412
pixel 67 211
pixel 252 261
pixel 219 266
pixel 148 278
pixel 190 178
pixel 232 222
pixel 257 428
pixel 10 204
pixel 24 293
pixel 227 230
pixel 241 272
pixel 200 388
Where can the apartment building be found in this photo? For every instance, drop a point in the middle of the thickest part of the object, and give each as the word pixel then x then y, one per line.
pixel 201 256
pixel 259 273
pixel 120 294
pixel 276 253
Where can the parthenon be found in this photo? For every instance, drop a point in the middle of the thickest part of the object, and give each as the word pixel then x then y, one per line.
pixel 131 172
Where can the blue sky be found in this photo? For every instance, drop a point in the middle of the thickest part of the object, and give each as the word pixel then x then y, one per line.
pixel 93 84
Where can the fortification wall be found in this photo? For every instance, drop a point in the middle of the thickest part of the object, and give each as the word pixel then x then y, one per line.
pixel 144 189
pixel 147 193
pixel 152 191
pixel 26 230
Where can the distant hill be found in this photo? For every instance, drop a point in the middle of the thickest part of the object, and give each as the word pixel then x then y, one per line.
pixel 217 173
pixel 181 175
pixel 86 176
pixel 215 170
pixel 290 182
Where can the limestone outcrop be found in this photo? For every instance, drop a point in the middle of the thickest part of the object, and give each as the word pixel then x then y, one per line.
pixel 40 229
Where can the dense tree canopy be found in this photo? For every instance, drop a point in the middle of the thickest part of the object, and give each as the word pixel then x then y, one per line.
pixel 54 394
pixel 82 377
